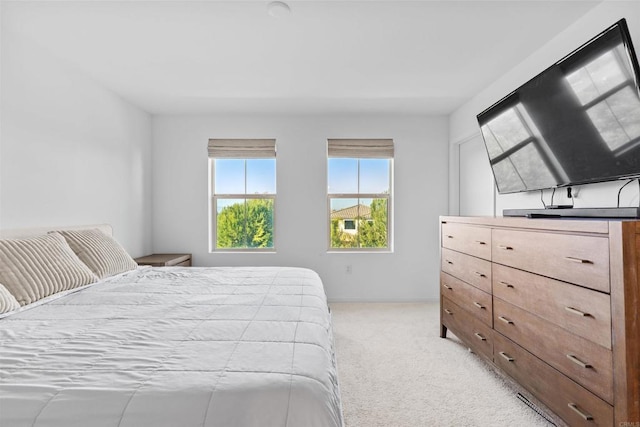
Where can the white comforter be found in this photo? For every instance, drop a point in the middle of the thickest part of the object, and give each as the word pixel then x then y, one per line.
pixel 174 347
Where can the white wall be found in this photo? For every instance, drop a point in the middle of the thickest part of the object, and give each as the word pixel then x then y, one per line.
pixel 477 194
pixel 71 151
pixel 180 198
pixel 463 125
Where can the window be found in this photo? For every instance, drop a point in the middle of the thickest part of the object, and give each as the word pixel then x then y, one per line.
pixel 243 193
pixel 359 193
pixel 349 224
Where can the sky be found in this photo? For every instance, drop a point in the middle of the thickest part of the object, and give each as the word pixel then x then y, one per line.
pixel 373 176
pixel 345 176
pixel 229 176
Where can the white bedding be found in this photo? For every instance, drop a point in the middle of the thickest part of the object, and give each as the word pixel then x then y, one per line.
pixel 174 346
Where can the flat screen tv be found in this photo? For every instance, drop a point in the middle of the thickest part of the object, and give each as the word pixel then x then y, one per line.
pixel 576 122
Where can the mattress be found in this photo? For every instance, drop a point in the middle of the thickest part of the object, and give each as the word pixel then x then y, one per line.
pixel 174 346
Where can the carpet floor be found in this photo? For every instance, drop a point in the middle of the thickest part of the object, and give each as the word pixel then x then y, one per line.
pixel 396 371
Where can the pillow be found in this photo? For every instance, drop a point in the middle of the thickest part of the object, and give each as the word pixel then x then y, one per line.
pixel 101 253
pixel 37 267
pixel 7 301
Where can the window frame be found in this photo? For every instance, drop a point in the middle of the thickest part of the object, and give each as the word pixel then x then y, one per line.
pixel 358 197
pixel 352 224
pixel 215 197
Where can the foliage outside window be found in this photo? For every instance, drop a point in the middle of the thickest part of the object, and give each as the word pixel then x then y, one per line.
pixel 359 194
pixel 243 195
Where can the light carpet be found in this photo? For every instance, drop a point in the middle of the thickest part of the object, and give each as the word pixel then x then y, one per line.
pixel 396 371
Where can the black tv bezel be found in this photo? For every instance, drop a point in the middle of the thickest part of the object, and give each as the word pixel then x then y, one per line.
pixel 623 28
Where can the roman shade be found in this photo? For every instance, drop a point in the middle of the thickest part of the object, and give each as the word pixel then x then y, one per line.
pixel 242 148
pixel 361 148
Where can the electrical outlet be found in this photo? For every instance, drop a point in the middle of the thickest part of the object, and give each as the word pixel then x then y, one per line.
pixel 348 270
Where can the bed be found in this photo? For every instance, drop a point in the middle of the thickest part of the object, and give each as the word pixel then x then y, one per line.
pixel 173 346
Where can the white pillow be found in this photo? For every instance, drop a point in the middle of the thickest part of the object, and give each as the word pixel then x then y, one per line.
pixel 7 301
pixel 37 267
pixel 101 253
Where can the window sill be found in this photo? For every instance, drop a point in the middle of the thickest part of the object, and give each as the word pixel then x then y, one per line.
pixel 242 251
pixel 363 251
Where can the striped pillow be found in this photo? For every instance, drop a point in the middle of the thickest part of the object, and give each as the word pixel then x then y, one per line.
pixel 101 253
pixel 37 267
pixel 7 301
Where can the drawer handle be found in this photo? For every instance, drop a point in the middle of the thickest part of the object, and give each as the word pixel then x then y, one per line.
pixel 576 311
pixel 477 273
pixel 578 260
pixel 477 304
pixel 505 247
pixel 449 312
pixel 577 410
pixel 505 320
pixel 480 242
pixel 447 286
pixel 579 362
pixel 506 356
pixel 508 285
pixel 449 262
pixel 449 236
pixel 480 337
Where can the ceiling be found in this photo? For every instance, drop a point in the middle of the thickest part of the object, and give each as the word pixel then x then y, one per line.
pixel 201 57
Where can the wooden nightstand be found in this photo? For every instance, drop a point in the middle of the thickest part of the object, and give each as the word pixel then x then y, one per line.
pixel 165 260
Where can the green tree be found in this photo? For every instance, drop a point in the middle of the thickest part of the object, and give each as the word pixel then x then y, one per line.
pixel 230 226
pixel 260 223
pixel 373 233
pixel 246 224
pixel 336 242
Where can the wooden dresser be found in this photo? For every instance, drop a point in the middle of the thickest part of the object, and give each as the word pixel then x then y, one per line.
pixel 553 303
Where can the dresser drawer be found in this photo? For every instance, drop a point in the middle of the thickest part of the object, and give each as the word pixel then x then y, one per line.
pixel 475 271
pixel 468 239
pixel 475 301
pixel 470 329
pixel 583 260
pixel 584 312
pixel 582 360
pixel 570 401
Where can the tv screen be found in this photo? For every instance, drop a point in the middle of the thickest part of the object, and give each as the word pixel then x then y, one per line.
pixel 576 122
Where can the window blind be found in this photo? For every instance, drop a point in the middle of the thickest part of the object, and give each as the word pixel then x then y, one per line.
pixel 361 148
pixel 242 148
